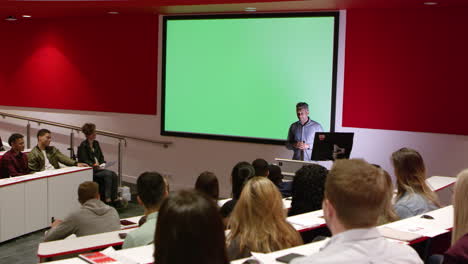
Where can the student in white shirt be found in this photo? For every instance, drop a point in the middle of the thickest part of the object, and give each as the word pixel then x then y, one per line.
pixel 355 193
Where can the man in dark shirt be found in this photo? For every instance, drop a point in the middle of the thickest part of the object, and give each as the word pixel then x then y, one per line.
pixel 14 162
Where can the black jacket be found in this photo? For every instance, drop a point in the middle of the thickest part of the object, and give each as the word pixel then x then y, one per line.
pixel 86 155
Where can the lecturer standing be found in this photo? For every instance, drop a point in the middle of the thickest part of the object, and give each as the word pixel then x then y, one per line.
pixel 301 133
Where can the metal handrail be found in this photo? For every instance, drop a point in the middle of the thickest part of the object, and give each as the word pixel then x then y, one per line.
pixel 120 137
pixel 99 132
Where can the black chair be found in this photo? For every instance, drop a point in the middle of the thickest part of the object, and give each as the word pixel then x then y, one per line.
pixel 435 259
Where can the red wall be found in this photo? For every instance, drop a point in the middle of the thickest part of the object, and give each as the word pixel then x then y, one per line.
pixel 406 70
pixel 97 64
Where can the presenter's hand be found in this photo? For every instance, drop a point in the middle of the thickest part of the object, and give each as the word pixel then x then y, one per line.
pixel 56 223
pixel 305 146
pixel 82 164
pixel 298 145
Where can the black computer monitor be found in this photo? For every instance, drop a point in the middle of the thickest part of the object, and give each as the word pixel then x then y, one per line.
pixel 332 146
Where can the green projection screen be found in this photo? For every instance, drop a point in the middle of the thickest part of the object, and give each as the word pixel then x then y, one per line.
pixel 239 77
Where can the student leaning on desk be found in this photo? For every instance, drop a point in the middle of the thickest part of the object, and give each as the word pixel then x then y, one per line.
pixel 46 157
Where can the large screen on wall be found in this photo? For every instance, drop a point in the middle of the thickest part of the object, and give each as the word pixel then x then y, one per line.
pixel 239 77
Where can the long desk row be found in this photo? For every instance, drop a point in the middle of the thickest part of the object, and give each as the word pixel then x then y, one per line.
pixel 441 223
pixel 29 202
pixel 303 223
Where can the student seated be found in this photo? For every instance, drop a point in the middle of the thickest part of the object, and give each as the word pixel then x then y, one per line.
pixel 152 189
pixel 14 162
pixel 239 175
pixel 258 222
pixel 276 176
pixel 414 195
pixel 261 167
pixel 458 252
pixel 307 189
pixel 207 182
pixel 189 230
pixel 93 217
pixel 89 152
pixel 354 198
pixel 46 157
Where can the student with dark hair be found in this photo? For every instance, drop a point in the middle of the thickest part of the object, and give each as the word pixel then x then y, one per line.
pixel 261 167
pixel 152 189
pixel 207 183
pixel 90 152
pixel 276 176
pixel 307 189
pixel 14 162
pixel 93 217
pixel 189 230
pixel 239 175
pixel 414 196
pixel 46 157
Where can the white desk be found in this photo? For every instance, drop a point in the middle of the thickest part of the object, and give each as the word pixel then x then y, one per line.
pixel 80 244
pixel 289 166
pixel 134 219
pixel 438 183
pixel 307 221
pixel 306 250
pixel 427 228
pixel 286 202
pixel 28 203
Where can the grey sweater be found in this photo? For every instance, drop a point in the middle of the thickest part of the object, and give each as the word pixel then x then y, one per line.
pixel 93 217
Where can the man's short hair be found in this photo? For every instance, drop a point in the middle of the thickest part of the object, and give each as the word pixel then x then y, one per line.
pixel 42 132
pixel 88 128
pixel 261 167
pixel 302 105
pixel 87 191
pixel 357 191
pixel 12 139
pixel 151 187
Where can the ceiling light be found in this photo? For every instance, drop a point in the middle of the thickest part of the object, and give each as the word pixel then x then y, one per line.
pixel 250 9
pixel 430 3
pixel 113 13
pixel 11 18
pixel 26 16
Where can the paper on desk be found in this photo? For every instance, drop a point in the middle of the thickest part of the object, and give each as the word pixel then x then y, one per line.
pixel 392 233
pixel 423 227
pixel 111 252
pixel 263 258
pixel 306 220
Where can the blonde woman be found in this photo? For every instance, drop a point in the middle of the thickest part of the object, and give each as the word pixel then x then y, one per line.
pixel 258 222
pixel 414 195
pixel 458 252
pixel 388 215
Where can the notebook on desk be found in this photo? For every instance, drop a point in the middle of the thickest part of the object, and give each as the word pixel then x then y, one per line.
pixel 392 233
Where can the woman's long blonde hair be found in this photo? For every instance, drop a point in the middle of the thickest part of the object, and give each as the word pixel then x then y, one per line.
pixel 258 222
pixel 388 215
pixel 460 206
pixel 410 172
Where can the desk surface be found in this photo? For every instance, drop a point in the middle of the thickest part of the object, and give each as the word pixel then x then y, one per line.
pixel 40 175
pixel 438 183
pixel 286 202
pixel 80 244
pixel 428 228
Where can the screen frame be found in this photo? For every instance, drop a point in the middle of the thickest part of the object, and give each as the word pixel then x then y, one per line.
pixel 167 18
